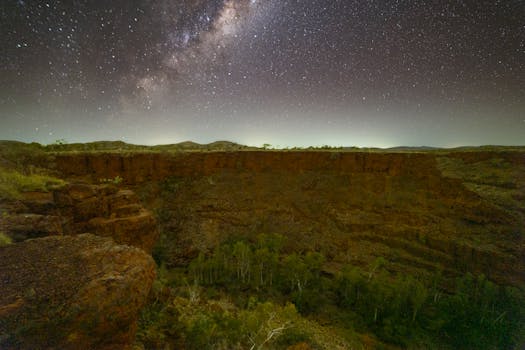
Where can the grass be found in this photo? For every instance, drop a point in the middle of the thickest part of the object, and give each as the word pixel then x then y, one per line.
pixel 5 239
pixel 14 183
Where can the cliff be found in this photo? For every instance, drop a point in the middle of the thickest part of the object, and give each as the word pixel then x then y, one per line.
pixel 104 210
pixel 422 211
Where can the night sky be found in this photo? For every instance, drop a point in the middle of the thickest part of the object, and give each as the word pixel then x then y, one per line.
pixel 286 72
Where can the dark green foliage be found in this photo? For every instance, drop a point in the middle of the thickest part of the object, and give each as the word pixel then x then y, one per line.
pixel 479 315
pixel 205 324
pixel 259 267
pixel 398 309
pixel 303 274
pixel 212 330
pixel 240 264
pixel 482 315
pixel 387 305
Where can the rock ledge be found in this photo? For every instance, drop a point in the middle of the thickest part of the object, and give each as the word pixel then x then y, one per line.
pixel 72 292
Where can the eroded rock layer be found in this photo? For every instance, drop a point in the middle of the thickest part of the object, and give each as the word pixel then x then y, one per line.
pixel 104 210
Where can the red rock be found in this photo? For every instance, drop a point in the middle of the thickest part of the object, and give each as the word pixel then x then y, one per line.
pixel 138 230
pixel 403 206
pixel 80 292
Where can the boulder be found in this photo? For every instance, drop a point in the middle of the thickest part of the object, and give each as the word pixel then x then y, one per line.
pixel 72 292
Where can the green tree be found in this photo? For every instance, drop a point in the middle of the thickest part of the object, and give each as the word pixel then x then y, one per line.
pixel 417 297
pixel 242 256
pixel 350 287
pixel 296 272
pixel 197 268
pixel 481 315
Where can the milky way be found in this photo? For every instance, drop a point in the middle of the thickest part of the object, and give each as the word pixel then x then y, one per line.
pixel 338 72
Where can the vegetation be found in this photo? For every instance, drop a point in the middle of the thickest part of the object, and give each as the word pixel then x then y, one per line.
pixel 38 155
pixel 257 295
pixel 191 323
pixel 14 183
pixel 22 157
pixel 117 180
pixel 5 239
pixel 252 295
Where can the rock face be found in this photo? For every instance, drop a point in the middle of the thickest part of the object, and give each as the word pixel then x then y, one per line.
pixel 72 292
pixel 424 212
pixel 33 216
pixel 104 210
pixel 107 211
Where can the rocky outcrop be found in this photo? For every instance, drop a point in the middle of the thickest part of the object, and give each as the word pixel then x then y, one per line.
pixel 104 210
pixel 76 292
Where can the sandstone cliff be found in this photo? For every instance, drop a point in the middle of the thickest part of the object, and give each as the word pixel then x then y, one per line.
pixel 423 212
pixel 78 292
pixel 104 210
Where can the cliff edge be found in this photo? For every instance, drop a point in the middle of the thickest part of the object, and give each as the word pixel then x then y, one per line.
pixel 72 292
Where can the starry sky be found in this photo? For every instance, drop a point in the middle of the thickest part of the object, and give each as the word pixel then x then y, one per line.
pixel 286 72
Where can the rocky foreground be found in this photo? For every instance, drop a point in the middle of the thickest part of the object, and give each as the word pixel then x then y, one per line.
pixel 63 289
pixel 72 292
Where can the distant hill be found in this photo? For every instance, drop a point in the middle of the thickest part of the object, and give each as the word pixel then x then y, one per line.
pixel 193 146
pixel 123 146
pixel 13 147
pixel 412 148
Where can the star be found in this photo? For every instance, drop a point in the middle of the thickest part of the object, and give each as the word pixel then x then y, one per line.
pixel 383 66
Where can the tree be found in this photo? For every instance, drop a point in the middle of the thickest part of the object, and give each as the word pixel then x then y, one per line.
pixel 481 315
pixel 265 322
pixel 296 272
pixel 417 297
pixel 197 268
pixel 266 258
pixel 242 260
pixel 351 286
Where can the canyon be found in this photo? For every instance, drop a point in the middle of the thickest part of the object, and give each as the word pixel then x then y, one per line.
pixel 422 213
